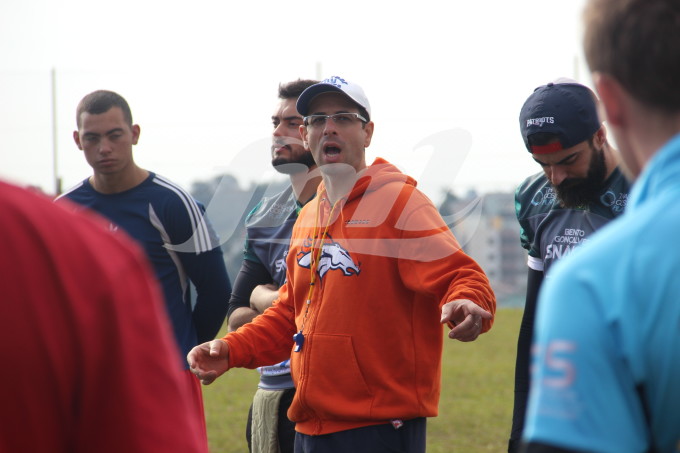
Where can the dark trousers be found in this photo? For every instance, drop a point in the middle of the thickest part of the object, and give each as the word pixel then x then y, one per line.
pixel 286 428
pixel 410 438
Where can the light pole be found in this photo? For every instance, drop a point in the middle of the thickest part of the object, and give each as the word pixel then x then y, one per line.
pixel 55 146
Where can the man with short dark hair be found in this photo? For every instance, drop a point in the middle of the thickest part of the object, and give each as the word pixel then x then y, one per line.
pixel 263 270
pixel 161 216
pixel 579 190
pixel 607 361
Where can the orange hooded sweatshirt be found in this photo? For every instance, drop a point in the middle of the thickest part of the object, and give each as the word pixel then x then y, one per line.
pixel 372 334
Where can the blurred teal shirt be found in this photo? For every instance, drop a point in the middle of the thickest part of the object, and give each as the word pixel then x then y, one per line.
pixel 606 371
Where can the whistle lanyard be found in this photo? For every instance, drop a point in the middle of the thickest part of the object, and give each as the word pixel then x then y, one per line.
pixel 299 337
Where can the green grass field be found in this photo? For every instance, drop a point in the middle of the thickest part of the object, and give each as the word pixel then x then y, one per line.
pixel 475 408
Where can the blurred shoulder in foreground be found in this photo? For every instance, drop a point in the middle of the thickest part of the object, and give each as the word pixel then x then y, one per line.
pixel 80 312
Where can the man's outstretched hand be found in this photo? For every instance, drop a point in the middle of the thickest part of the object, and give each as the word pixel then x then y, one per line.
pixel 209 360
pixel 466 316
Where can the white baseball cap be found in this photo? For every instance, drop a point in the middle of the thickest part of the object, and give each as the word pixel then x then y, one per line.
pixel 333 84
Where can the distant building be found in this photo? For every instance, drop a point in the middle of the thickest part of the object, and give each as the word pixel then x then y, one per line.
pixel 228 205
pixel 488 231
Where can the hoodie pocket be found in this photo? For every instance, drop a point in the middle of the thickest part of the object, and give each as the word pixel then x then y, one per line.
pixel 335 385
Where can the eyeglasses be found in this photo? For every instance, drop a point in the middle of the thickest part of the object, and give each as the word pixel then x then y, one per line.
pixel 340 119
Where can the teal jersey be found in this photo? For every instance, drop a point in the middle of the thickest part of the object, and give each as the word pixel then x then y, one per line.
pixel 549 231
pixel 268 229
pixel 606 373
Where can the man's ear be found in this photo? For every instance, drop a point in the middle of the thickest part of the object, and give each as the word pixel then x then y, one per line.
pixel 76 138
pixel 303 136
pixel 368 130
pixel 136 130
pixel 612 99
pixel 601 136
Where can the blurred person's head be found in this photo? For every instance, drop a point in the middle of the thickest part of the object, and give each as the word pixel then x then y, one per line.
pixel 632 50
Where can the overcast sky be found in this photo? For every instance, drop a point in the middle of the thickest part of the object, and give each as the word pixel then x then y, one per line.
pixel 446 81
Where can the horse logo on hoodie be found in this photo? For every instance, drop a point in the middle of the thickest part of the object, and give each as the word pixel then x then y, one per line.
pixel 333 256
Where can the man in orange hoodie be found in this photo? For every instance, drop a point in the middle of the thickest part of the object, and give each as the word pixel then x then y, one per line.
pixel 372 272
